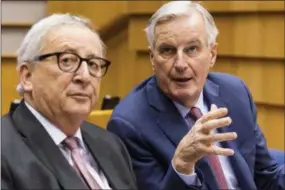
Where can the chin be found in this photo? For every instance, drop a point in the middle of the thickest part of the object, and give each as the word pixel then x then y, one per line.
pixel 79 113
pixel 183 95
pixel 78 109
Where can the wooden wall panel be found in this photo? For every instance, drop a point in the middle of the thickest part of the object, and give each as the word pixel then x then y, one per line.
pixel 102 13
pixel 271 121
pixel 149 7
pixel 119 79
pixel 265 78
pixel 243 6
pixel 144 66
pixel 143 7
pixel 9 82
pixel 252 35
pixel 258 35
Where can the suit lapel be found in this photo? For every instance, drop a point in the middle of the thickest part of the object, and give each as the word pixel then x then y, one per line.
pixel 45 149
pixel 212 96
pixel 101 153
pixel 172 124
pixel 169 119
pixel 239 166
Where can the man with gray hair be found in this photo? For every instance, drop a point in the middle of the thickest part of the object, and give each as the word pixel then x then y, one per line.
pixel 46 144
pixel 186 128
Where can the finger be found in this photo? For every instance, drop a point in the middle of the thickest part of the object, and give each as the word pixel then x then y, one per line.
pixel 213 107
pixel 223 151
pixel 219 137
pixel 216 123
pixel 218 113
pixel 216 150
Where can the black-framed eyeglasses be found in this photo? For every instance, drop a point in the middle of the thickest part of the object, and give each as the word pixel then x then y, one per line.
pixel 71 62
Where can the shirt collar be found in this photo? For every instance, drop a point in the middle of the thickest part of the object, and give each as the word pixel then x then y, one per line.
pixel 184 110
pixel 55 133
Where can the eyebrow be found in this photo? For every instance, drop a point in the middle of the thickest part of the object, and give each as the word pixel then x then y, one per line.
pixel 165 44
pixel 190 42
pixel 194 41
pixel 69 49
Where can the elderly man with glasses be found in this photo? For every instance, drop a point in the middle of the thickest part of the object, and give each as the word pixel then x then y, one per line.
pixel 46 144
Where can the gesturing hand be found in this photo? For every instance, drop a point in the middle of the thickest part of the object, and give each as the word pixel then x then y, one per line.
pixel 200 140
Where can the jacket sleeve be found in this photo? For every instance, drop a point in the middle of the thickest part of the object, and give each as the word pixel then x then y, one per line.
pixel 149 172
pixel 6 179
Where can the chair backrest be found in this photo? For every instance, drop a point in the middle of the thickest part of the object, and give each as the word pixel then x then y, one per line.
pixel 110 102
pixel 100 117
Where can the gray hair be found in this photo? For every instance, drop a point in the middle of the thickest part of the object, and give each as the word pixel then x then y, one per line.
pixel 33 40
pixel 181 8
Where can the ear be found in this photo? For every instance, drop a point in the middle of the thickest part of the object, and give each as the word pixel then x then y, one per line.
pixel 213 54
pixel 25 75
pixel 151 57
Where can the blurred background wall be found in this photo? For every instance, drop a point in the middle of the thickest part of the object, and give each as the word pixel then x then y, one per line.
pixel 251 46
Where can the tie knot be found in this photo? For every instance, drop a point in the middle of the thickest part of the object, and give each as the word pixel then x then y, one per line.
pixel 71 143
pixel 195 113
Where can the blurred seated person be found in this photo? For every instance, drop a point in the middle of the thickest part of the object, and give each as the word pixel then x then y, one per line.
pixel 186 127
pixel 46 144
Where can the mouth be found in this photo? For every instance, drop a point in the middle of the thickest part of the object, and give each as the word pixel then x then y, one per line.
pixel 182 79
pixel 79 95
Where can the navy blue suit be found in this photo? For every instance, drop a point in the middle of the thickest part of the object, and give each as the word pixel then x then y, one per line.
pixel 151 127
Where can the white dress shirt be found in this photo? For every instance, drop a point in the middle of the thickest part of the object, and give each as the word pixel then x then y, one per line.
pixel 227 169
pixel 58 137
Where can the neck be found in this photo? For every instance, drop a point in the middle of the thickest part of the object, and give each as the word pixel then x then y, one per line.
pixel 189 102
pixel 69 127
pixel 67 123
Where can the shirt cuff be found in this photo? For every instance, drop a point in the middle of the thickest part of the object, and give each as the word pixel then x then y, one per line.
pixel 191 179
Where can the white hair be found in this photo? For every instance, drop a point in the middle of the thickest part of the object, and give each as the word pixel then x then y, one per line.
pixel 181 8
pixel 33 40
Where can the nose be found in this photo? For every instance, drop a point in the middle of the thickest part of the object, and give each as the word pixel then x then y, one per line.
pixel 82 74
pixel 180 63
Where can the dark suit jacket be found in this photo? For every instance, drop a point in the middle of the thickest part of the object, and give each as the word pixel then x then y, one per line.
pixel 151 127
pixel 31 160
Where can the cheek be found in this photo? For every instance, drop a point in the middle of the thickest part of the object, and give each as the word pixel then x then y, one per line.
pixel 201 67
pixel 96 90
pixel 162 72
pixel 43 80
pixel 52 85
pixel 162 66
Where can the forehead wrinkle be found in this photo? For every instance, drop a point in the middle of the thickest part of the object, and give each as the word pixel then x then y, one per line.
pixel 166 36
pixel 182 29
pixel 59 41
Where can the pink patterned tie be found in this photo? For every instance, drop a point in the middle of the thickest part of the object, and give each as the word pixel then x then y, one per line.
pixel 80 162
pixel 213 160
